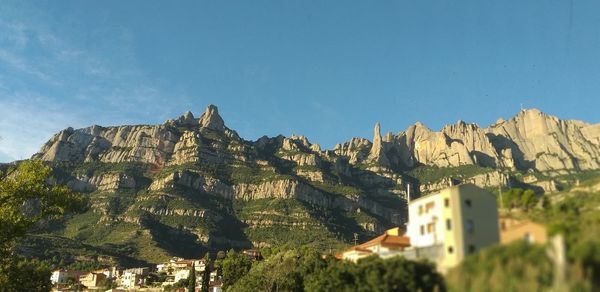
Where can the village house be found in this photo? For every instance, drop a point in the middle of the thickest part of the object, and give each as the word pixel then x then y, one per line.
pixel 253 254
pixel 131 280
pixel 389 244
pixel 512 229
pixel 62 276
pixel 93 280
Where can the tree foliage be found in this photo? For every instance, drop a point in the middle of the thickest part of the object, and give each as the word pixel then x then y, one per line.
pixel 519 198
pixel 192 279
pixel 18 274
pixel 206 273
pixel 26 197
pixel 516 267
pixel 234 266
pixel 306 270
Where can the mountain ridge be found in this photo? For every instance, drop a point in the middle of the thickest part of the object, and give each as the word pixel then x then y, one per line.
pixel 194 182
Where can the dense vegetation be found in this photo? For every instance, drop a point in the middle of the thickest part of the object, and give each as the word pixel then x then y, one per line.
pixel 307 270
pixel 25 200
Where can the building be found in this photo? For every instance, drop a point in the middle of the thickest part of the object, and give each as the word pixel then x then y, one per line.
pixel 514 229
pixel 447 226
pixel 253 254
pixel 131 279
pixel 140 271
pixel 93 280
pixel 389 244
pixel 62 276
pixel 181 274
pixel 177 264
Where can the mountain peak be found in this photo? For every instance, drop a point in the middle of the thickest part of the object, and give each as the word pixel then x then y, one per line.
pixel 211 119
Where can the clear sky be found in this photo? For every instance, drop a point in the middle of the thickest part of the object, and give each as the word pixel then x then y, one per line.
pixel 324 69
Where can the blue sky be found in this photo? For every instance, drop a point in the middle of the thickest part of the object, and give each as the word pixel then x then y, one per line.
pixel 325 69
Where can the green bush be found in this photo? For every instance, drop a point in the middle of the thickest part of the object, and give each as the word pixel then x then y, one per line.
pixel 516 267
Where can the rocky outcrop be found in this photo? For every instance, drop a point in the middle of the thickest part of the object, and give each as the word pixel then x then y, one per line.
pixel 542 142
pixel 484 180
pixel 357 150
pixel 211 119
pixel 377 154
pixel 530 140
pixel 103 182
pixel 194 181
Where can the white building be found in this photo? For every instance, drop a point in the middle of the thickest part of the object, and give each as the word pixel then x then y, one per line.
pixel 181 274
pixel 61 276
pixel 131 280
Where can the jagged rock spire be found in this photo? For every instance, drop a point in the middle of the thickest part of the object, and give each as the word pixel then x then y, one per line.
pixel 211 119
pixel 377 154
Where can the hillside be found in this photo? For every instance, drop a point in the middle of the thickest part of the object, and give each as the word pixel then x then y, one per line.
pixel 193 184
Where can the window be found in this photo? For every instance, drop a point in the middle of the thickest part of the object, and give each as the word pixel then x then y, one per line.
pixel 430 227
pixel 429 206
pixel 446 202
pixel 471 248
pixel 420 210
pixel 450 249
pixel 422 230
pixel 528 237
pixel 469 226
pixel 448 224
pixel 468 203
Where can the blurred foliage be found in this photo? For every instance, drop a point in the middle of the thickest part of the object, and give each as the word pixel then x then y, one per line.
pixel 306 270
pixel 516 267
pixel 429 174
pixel 519 198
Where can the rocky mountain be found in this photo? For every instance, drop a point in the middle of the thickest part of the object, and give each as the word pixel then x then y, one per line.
pixel 193 184
pixel 530 140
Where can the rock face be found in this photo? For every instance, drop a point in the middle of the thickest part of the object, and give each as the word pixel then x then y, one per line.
pixel 530 140
pixel 211 119
pixel 377 154
pixel 196 179
pixel 546 143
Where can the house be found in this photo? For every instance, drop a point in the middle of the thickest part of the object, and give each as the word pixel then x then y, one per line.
pixel 445 227
pixel 140 271
pixel 131 280
pixel 389 244
pixel 62 276
pixel 181 274
pixel 109 273
pixel 176 264
pixel 512 229
pixel 215 286
pixel 92 280
pixel 253 254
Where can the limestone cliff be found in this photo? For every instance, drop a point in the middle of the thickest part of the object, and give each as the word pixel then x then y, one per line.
pixel 194 180
pixel 530 140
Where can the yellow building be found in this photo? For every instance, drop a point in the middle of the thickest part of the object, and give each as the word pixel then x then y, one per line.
pixel 514 229
pixel 92 280
pixel 446 226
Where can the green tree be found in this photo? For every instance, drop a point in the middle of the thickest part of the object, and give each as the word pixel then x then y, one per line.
pixel 528 199
pixel 17 274
pixel 206 273
pixel 26 197
pixel 234 267
pixel 192 279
